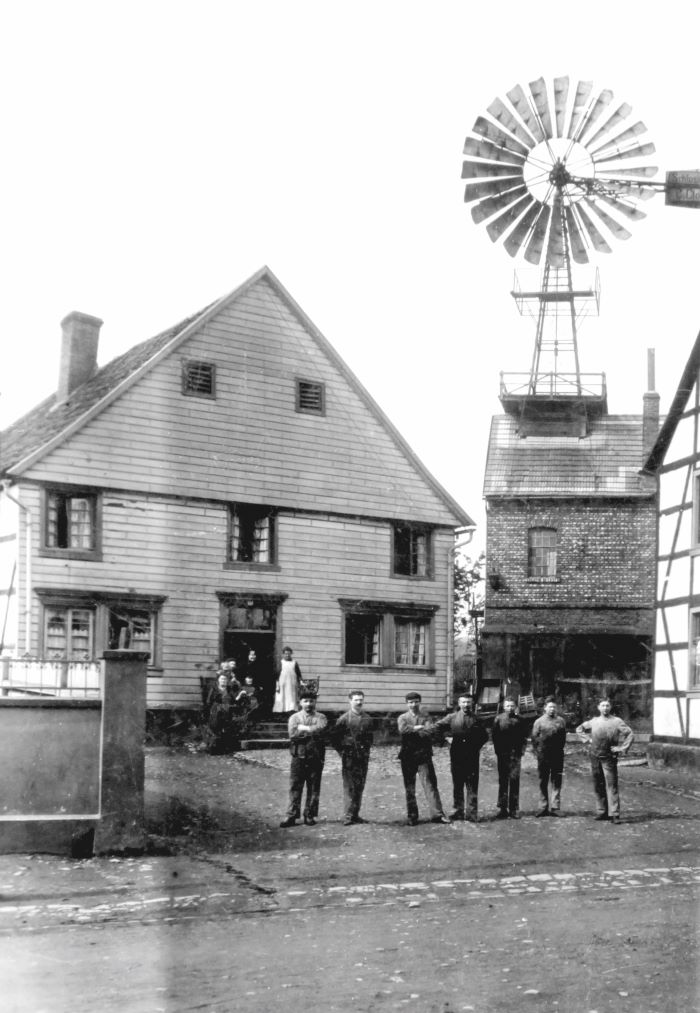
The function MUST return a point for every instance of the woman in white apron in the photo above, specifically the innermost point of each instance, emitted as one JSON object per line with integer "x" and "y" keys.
{"x": 287, "y": 688}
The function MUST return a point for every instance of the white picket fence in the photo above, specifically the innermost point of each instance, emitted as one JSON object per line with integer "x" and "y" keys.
{"x": 32, "y": 677}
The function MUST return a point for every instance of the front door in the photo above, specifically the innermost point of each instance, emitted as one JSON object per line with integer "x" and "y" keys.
{"x": 249, "y": 623}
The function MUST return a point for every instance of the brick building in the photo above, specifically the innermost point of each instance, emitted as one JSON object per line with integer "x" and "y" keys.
{"x": 570, "y": 551}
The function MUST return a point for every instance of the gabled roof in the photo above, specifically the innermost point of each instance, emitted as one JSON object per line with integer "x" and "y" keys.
{"x": 685, "y": 387}
{"x": 604, "y": 463}
{"x": 48, "y": 425}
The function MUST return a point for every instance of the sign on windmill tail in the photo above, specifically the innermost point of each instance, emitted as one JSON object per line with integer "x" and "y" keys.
{"x": 683, "y": 189}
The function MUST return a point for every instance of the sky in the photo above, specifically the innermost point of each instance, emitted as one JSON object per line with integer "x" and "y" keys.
{"x": 156, "y": 154}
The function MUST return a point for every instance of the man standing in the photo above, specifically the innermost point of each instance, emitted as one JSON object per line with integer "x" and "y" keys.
{"x": 548, "y": 741}
{"x": 468, "y": 736}
{"x": 307, "y": 745}
{"x": 509, "y": 736}
{"x": 352, "y": 737}
{"x": 609, "y": 737}
{"x": 416, "y": 755}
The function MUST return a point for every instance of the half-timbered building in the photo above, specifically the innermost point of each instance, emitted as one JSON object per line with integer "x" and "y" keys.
{"x": 225, "y": 486}
{"x": 675, "y": 460}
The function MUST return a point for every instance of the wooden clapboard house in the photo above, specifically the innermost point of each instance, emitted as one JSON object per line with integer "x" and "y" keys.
{"x": 226, "y": 485}
{"x": 675, "y": 460}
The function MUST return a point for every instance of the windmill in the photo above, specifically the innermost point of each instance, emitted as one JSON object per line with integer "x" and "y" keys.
{"x": 557, "y": 174}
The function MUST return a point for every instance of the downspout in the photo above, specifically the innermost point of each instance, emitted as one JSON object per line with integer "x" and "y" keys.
{"x": 28, "y": 568}
{"x": 466, "y": 536}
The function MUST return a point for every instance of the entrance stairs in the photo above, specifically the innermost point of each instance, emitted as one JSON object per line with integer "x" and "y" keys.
{"x": 270, "y": 734}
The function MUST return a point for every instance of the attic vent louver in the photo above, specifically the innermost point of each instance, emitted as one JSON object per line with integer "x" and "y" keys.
{"x": 198, "y": 379}
{"x": 310, "y": 397}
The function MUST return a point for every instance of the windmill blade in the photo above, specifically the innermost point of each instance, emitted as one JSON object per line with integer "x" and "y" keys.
{"x": 630, "y": 134}
{"x": 473, "y": 170}
{"x": 576, "y": 240}
{"x": 502, "y": 114}
{"x": 491, "y": 132}
{"x": 619, "y": 205}
{"x": 515, "y": 239}
{"x": 499, "y": 225}
{"x": 561, "y": 91}
{"x": 583, "y": 90}
{"x": 520, "y": 103}
{"x": 619, "y": 231}
{"x": 647, "y": 171}
{"x": 488, "y": 207}
{"x": 533, "y": 250}
{"x": 599, "y": 242}
{"x": 618, "y": 117}
{"x": 538, "y": 90}
{"x": 641, "y": 150}
{"x": 488, "y": 187}
{"x": 487, "y": 150}
{"x": 556, "y": 250}
{"x": 594, "y": 114}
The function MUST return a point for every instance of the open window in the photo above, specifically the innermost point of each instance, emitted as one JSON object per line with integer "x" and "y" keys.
{"x": 251, "y": 534}
{"x": 412, "y": 549}
{"x": 71, "y": 523}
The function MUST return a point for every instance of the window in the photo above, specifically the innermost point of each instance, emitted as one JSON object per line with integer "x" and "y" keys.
{"x": 71, "y": 523}
{"x": 542, "y": 552}
{"x": 696, "y": 510}
{"x": 362, "y": 639}
{"x": 410, "y": 641}
{"x": 310, "y": 397}
{"x": 131, "y": 630}
{"x": 411, "y": 551}
{"x": 387, "y": 633}
{"x": 252, "y": 531}
{"x": 694, "y": 653}
{"x": 198, "y": 378}
{"x": 80, "y": 625}
{"x": 69, "y": 634}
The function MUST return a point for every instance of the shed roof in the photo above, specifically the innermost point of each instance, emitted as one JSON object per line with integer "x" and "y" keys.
{"x": 606, "y": 462}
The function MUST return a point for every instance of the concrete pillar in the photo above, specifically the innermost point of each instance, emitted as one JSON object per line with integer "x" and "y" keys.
{"x": 122, "y": 825}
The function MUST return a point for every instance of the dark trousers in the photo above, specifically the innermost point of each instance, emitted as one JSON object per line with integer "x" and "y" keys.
{"x": 550, "y": 772}
{"x": 604, "y": 771}
{"x": 424, "y": 769}
{"x": 354, "y": 769}
{"x": 509, "y": 782}
{"x": 307, "y": 772}
{"x": 465, "y": 780}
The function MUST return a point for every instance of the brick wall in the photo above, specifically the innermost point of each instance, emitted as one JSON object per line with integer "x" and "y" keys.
{"x": 605, "y": 556}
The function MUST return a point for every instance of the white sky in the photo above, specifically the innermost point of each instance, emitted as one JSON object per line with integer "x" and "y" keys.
{"x": 155, "y": 154}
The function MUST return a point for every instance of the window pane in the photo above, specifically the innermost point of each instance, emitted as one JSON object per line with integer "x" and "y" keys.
{"x": 542, "y": 552}
{"x": 362, "y": 639}
{"x": 70, "y": 521}
{"x": 410, "y": 551}
{"x": 695, "y": 649}
{"x": 251, "y": 535}
{"x": 131, "y": 630}
{"x": 69, "y": 634}
{"x": 410, "y": 642}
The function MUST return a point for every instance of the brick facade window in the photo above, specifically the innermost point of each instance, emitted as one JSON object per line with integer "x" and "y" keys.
{"x": 542, "y": 552}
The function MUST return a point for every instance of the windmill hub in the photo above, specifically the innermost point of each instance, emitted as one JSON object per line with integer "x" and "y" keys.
{"x": 560, "y": 175}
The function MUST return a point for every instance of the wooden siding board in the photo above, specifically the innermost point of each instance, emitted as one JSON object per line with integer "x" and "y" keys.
{"x": 347, "y": 456}
{"x": 176, "y": 549}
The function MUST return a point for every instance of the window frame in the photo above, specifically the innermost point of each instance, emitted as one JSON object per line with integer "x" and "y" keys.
{"x": 694, "y": 650}
{"x": 388, "y": 614}
{"x": 189, "y": 364}
{"x": 298, "y": 406}
{"x": 251, "y": 509}
{"x": 100, "y": 604}
{"x": 541, "y": 529}
{"x": 695, "y": 534}
{"x": 94, "y": 496}
{"x": 414, "y": 531}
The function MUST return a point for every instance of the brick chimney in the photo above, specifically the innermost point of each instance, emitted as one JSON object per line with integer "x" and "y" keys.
{"x": 650, "y": 409}
{"x": 81, "y": 334}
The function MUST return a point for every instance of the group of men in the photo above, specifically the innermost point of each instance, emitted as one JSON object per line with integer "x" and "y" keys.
{"x": 608, "y": 737}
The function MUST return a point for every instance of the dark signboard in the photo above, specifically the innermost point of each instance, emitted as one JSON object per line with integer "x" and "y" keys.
{"x": 683, "y": 189}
